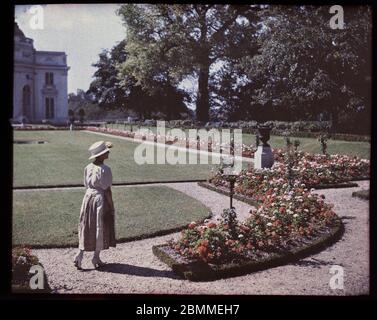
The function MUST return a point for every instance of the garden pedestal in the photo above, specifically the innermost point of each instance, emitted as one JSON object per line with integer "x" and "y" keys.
{"x": 263, "y": 157}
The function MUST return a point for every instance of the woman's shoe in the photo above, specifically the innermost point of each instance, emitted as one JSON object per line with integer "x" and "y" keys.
{"x": 97, "y": 263}
{"x": 77, "y": 261}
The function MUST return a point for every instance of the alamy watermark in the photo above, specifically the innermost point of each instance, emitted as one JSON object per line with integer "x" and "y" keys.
{"x": 215, "y": 144}
{"x": 37, "y": 280}
{"x": 337, "y": 280}
{"x": 337, "y": 20}
{"x": 36, "y": 21}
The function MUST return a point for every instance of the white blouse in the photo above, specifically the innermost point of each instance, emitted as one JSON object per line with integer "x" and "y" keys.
{"x": 97, "y": 177}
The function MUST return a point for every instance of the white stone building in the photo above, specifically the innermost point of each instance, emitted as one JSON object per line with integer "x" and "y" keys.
{"x": 39, "y": 84}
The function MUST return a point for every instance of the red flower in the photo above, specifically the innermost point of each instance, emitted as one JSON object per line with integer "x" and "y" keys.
{"x": 192, "y": 225}
{"x": 282, "y": 210}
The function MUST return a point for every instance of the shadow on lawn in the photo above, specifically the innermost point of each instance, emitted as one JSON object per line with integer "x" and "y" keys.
{"x": 129, "y": 269}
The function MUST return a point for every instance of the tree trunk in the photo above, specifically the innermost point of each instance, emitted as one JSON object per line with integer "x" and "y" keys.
{"x": 202, "y": 102}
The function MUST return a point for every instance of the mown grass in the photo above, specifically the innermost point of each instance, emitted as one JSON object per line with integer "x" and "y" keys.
{"x": 50, "y": 218}
{"x": 62, "y": 160}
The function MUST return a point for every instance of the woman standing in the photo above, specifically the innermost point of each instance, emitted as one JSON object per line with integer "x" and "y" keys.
{"x": 96, "y": 227}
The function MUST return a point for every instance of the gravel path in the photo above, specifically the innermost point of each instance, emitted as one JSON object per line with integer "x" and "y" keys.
{"x": 133, "y": 268}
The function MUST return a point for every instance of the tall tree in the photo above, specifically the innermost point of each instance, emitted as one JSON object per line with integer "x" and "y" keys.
{"x": 167, "y": 43}
{"x": 124, "y": 93}
{"x": 305, "y": 63}
{"x": 106, "y": 84}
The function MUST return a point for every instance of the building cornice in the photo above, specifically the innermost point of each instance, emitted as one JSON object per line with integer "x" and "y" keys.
{"x": 41, "y": 66}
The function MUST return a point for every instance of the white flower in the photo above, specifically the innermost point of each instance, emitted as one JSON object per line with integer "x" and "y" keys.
{"x": 269, "y": 224}
{"x": 295, "y": 215}
{"x": 240, "y": 236}
{"x": 21, "y": 260}
{"x": 306, "y": 210}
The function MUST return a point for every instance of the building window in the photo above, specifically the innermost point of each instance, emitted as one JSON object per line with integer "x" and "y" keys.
{"x": 26, "y": 102}
{"x": 49, "y": 102}
{"x": 49, "y": 78}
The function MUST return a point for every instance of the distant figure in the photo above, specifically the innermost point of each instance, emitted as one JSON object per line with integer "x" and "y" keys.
{"x": 71, "y": 121}
{"x": 23, "y": 122}
{"x": 96, "y": 226}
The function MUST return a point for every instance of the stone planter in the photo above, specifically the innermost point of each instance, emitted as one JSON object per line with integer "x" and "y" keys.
{"x": 263, "y": 157}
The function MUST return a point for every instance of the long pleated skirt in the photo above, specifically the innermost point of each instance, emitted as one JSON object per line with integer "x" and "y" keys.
{"x": 97, "y": 226}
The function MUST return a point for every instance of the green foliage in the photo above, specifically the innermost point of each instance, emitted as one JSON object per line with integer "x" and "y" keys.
{"x": 250, "y": 62}
{"x": 167, "y": 43}
{"x": 126, "y": 93}
{"x": 83, "y": 105}
{"x": 305, "y": 68}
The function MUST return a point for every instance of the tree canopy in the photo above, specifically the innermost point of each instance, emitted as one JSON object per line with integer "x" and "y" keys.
{"x": 253, "y": 62}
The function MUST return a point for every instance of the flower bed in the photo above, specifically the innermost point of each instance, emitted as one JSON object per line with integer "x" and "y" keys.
{"x": 311, "y": 170}
{"x": 285, "y": 227}
{"x": 247, "y": 151}
{"x": 290, "y": 219}
{"x": 22, "y": 261}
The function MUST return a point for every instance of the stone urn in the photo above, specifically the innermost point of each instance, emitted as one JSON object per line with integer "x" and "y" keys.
{"x": 264, "y": 134}
{"x": 264, "y": 157}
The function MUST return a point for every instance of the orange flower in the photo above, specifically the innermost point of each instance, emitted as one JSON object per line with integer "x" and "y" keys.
{"x": 202, "y": 250}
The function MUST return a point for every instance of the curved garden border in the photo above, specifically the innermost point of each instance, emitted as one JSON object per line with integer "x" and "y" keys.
{"x": 196, "y": 270}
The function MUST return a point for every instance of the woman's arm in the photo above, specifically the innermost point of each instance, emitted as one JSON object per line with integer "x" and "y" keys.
{"x": 109, "y": 198}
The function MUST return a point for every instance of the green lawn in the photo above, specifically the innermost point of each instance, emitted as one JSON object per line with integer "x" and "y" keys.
{"x": 62, "y": 161}
{"x": 50, "y": 218}
{"x": 361, "y": 149}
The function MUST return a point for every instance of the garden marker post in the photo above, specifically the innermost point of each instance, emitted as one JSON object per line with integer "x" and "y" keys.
{"x": 230, "y": 176}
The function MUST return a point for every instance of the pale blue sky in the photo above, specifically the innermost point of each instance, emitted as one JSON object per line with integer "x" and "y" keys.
{"x": 81, "y": 30}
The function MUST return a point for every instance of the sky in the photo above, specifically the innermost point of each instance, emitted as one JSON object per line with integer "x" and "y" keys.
{"x": 82, "y": 31}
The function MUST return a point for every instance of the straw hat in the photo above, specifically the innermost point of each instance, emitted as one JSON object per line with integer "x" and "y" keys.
{"x": 98, "y": 148}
